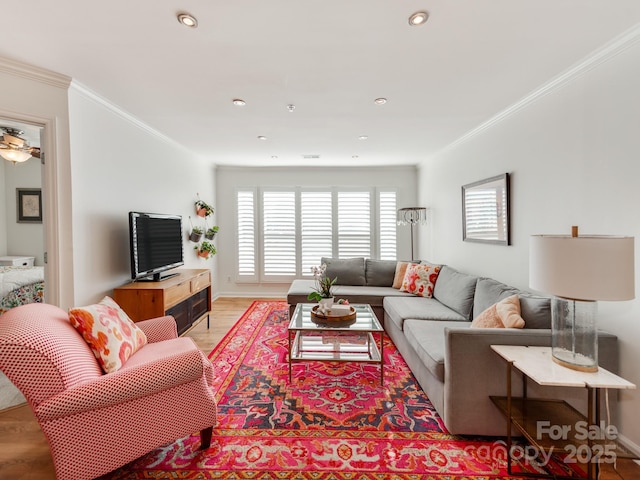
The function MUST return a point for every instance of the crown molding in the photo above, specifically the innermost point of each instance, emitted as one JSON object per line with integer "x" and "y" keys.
{"x": 31, "y": 72}
{"x": 602, "y": 55}
{"x": 115, "y": 109}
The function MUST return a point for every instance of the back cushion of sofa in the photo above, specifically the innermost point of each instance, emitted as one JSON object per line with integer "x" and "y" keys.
{"x": 455, "y": 290}
{"x": 380, "y": 273}
{"x": 535, "y": 310}
{"x": 488, "y": 292}
{"x": 349, "y": 271}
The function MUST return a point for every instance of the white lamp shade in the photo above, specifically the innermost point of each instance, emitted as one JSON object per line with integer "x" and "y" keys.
{"x": 583, "y": 267}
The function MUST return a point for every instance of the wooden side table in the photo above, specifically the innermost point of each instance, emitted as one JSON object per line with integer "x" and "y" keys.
{"x": 551, "y": 425}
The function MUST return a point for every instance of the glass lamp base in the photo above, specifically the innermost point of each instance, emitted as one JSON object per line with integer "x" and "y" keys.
{"x": 574, "y": 334}
{"x": 574, "y": 361}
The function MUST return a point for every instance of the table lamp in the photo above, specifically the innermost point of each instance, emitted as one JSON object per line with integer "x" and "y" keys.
{"x": 578, "y": 271}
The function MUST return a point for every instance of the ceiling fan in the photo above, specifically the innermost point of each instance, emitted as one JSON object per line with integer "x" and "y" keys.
{"x": 15, "y": 148}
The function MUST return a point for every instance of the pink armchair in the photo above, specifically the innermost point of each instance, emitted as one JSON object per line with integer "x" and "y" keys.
{"x": 96, "y": 422}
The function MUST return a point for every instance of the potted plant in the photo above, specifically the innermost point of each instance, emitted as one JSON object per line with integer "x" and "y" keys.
{"x": 211, "y": 232}
{"x": 203, "y": 209}
{"x": 322, "y": 292}
{"x": 196, "y": 234}
{"x": 205, "y": 249}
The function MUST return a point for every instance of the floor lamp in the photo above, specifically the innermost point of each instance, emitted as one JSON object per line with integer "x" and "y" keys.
{"x": 412, "y": 216}
{"x": 579, "y": 271}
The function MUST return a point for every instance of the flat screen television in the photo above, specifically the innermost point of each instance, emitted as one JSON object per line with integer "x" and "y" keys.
{"x": 156, "y": 245}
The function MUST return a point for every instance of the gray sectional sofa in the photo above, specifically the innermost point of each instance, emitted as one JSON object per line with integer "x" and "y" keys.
{"x": 451, "y": 360}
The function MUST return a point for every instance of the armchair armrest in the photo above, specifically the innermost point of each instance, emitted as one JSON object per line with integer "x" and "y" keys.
{"x": 159, "y": 329}
{"x": 126, "y": 384}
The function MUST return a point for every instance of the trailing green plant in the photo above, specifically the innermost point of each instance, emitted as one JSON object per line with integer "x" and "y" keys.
{"x": 213, "y": 230}
{"x": 206, "y": 247}
{"x": 197, "y": 230}
{"x": 202, "y": 205}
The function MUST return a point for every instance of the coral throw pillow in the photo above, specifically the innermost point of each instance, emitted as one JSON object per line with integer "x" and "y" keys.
{"x": 420, "y": 279}
{"x": 109, "y": 331}
{"x": 504, "y": 314}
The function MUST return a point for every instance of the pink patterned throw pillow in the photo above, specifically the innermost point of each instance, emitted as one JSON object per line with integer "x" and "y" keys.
{"x": 111, "y": 334}
{"x": 420, "y": 279}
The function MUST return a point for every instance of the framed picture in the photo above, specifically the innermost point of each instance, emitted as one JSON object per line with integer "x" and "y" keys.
{"x": 485, "y": 211}
{"x": 29, "y": 201}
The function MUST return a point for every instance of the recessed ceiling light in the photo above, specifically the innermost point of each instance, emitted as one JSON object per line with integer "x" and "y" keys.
{"x": 187, "y": 20}
{"x": 380, "y": 101}
{"x": 291, "y": 107}
{"x": 274, "y": 156}
{"x": 239, "y": 102}
{"x": 363, "y": 137}
{"x": 261, "y": 137}
{"x": 355, "y": 156}
{"x": 418, "y": 18}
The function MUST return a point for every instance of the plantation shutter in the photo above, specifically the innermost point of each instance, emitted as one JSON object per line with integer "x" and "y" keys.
{"x": 387, "y": 225}
{"x": 316, "y": 228}
{"x": 354, "y": 224}
{"x": 246, "y": 235}
{"x": 279, "y": 233}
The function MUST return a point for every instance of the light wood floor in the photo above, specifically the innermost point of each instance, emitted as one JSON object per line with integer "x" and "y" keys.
{"x": 24, "y": 452}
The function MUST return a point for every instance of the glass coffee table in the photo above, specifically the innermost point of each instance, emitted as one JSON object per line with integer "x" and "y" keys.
{"x": 327, "y": 341}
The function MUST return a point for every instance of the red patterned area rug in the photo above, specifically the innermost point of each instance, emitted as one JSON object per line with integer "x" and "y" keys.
{"x": 334, "y": 421}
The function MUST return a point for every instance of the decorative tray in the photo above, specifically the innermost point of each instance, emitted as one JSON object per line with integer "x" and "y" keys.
{"x": 333, "y": 318}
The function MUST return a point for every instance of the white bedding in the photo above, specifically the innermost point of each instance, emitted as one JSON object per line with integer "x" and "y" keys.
{"x": 16, "y": 277}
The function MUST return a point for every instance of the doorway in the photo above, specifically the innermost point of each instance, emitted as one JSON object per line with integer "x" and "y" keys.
{"x": 22, "y": 235}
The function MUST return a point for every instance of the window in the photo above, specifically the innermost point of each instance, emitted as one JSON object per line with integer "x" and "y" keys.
{"x": 246, "y": 235}
{"x": 279, "y": 233}
{"x": 288, "y": 232}
{"x": 354, "y": 224}
{"x": 387, "y": 214}
{"x": 316, "y": 228}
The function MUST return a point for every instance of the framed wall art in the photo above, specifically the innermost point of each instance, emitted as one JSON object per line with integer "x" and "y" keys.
{"x": 29, "y": 202}
{"x": 485, "y": 211}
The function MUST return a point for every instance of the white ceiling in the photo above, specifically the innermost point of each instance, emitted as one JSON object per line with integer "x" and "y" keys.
{"x": 330, "y": 58}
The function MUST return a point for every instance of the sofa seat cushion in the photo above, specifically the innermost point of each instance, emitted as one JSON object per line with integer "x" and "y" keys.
{"x": 427, "y": 338}
{"x": 397, "y": 309}
{"x": 300, "y": 288}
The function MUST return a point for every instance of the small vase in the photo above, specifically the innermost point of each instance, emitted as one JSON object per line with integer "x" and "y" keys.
{"x": 326, "y": 302}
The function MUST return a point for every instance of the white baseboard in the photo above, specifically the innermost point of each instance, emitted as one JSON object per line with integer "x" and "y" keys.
{"x": 248, "y": 295}
{"x": 626, "y": 442}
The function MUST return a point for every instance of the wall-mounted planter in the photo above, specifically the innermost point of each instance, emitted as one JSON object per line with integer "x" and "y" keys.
{"x": 195, "y": 236}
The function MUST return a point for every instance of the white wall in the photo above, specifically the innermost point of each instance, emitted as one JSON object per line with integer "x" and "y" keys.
{"x": 229, "y": 178}
{"x": 574, "y": 158}
{"x": 120, "y": 165}
{"x": 24, "y": 239}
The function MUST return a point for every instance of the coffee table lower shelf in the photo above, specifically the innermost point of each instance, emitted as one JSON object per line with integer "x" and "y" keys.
{"x": 327, "y": 346}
